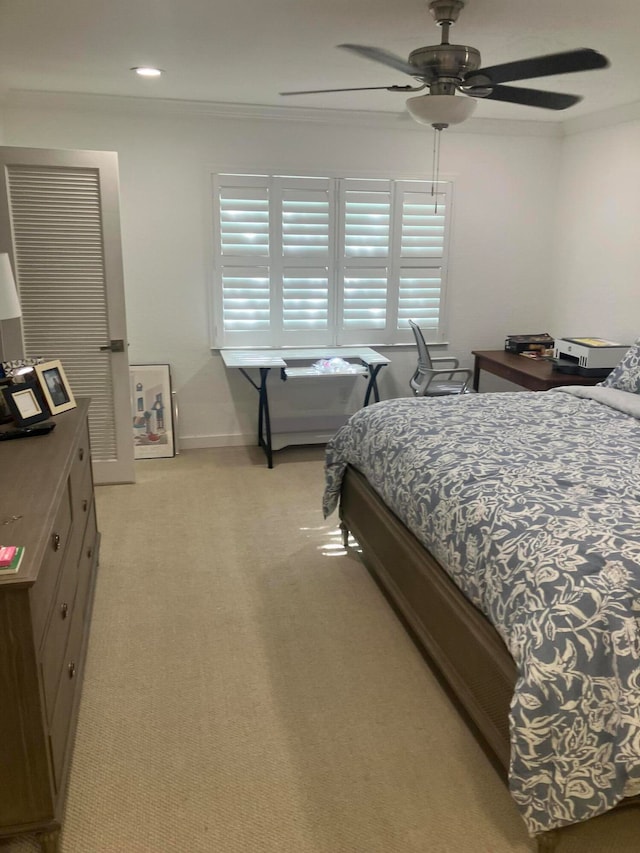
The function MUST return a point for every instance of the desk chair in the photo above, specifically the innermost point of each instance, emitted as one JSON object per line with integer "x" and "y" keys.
{"x": 425, "y": 382}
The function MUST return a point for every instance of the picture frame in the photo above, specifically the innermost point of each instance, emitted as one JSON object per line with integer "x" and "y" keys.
{"x": 55, "y": 386}
{"x": 19, "y": 367}
{"x": 26, "y": 403}
{"x": 152, "y": 411}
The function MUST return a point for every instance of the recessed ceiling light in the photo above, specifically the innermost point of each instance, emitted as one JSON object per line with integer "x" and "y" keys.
{"x": 145, "y": 71}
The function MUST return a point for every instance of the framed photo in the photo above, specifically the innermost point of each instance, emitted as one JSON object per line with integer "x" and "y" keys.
{"x": 152, "y": 411}
{"x": 19, "y": 367}
{"x": 26, "y": 403}
{"x": 55, "y": 387}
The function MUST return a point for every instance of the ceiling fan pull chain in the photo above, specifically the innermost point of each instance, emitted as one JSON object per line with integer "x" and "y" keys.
{"x": 435, "y": 166}
{"x": 434, "y": 160}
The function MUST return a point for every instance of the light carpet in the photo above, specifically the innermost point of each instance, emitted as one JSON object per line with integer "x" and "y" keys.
{"x": 249, "y": 690}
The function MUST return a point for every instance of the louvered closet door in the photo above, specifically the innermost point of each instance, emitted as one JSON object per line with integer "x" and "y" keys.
{"x": 60, "y": 224}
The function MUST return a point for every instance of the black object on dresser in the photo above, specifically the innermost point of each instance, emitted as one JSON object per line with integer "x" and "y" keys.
{"x": 46, "y": 505}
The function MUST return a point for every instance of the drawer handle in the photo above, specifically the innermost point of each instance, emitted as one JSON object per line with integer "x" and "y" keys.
{"x": 71, "y": 669}
{"x": 89, "y": 553}
{"x": 64, "y": 609}
{"x": 55, "y": 541}
{"x": 81, "y": 453}
{"x": 85, "y": 504}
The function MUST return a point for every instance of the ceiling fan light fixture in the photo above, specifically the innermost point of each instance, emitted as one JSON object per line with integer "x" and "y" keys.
{"x": 440, "y": 109}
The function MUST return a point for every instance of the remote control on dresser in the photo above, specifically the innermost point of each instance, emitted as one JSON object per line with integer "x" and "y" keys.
{"x": 26, "y": 432}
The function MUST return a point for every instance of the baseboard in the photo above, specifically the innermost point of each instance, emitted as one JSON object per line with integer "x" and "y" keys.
{"x": 196, "y": 442}
{"x": 278, "y": 440}
{"x": 286, "y": 439}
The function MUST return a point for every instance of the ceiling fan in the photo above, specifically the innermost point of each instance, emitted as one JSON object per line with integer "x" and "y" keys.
{"x": 445, "y": 69}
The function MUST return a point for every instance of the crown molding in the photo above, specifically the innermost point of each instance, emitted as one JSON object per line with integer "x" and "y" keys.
{"x": 83, "y": 102}
{"x": 602, "y": 119}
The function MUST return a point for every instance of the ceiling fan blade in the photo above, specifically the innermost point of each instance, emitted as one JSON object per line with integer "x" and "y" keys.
{"x": 533, "y": 97}
{"x": 357, "y": 89}
{"x": 377, "y": 54}
{"x": 583, "y": 59}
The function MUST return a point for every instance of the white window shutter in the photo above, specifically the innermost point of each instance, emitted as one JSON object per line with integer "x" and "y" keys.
{"x": 419, "y": 297}
{"x": 420, "y": 263}
{"x": 305, "y": 299}
{"x": 307, "y": 235}
{"x": 367, "y": 219}
{"x": 305, "y": 223}
{"x": 312, "y": 261}
{"x": 244, "y": 221}
{"x": 365, "y": 246}
{"x": 423, "y": 221}
{"x": 243, "y": 243}
{"x": 246, "y": 299}
{"x": 364, "y": 304}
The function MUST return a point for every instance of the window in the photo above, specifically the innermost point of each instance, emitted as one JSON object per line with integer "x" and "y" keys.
{"x": 327, "y": 261}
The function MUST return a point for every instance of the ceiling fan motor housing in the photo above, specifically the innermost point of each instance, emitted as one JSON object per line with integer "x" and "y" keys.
{"x": 444, "y": 61}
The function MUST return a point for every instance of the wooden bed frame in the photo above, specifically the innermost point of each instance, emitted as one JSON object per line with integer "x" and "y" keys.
{"x": 464, "y": 649}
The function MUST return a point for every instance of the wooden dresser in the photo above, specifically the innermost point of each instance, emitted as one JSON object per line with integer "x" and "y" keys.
{"x": 47, "y": 505}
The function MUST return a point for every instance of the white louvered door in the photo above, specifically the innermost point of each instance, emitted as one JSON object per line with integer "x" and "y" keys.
{"x": 60, "y": 223}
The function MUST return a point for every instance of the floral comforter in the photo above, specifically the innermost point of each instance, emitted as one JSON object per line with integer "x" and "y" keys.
{"x": 531, "y": 502}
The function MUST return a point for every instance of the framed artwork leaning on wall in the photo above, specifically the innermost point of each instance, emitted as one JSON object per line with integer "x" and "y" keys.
{"x": 152, "y": 411}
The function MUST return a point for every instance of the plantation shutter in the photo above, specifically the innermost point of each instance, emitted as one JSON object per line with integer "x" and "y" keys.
{"x": 244, "y": 249}
{"x": 306, "y": 259}
{"x": 274, "y": 246}
{"x": 59, "y": 257}
{"x": 420, "y": 261}
{"x": 365, "y": 248}
{"x": 315, "y": 261}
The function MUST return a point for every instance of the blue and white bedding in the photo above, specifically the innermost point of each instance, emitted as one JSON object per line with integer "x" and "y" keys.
{"x": 531, "y": 502}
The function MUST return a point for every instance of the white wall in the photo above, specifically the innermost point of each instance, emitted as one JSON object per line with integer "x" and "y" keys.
{"x": 597, "y": 268}
{"x": 505, "y": 188}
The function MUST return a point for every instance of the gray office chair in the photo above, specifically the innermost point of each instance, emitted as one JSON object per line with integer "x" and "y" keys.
{"x": 432, "y": 381}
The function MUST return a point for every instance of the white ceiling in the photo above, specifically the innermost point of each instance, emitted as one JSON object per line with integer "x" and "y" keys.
{"x": 247, "y": 51}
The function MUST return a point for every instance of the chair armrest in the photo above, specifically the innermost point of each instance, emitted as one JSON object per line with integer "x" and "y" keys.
{"x": 450, "y": 371}
{"x": 442, "y": 358}
{"x": 422, "y": 380}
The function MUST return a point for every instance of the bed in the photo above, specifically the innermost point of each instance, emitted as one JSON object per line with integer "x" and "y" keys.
{"x": 505, "y": 530}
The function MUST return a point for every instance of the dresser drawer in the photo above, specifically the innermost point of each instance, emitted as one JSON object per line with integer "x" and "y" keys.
{"x": 43, "y": 590}
{"x": 81, "y": 464}
{"x": 70, "y": 662}
{"x": 69, "y": 681}
{"x": 81, "y": 505}
{"x": 55, "y": 641}
{"x": 87, "y": 560}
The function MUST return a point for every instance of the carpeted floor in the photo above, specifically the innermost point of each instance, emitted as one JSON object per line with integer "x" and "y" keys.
{"x": 249, "y": 690}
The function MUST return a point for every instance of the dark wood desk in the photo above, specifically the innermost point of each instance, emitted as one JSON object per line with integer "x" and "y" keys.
{"x": 526, "y": 372}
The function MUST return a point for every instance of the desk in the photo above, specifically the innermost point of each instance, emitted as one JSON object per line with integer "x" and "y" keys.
{"x": 527, "y": 372}
{"x": 368, "y": 362}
